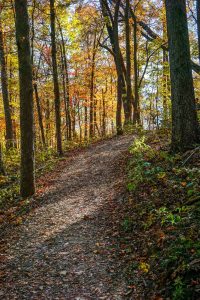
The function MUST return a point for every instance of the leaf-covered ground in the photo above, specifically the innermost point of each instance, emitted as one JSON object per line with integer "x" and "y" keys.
{"x": 68, "y": 246}
{"x": 109, "y": 224}
{"x": 163, "y": 221}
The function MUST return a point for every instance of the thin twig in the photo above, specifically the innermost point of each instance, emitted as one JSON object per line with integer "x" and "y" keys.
{"x": 195, "y": 150}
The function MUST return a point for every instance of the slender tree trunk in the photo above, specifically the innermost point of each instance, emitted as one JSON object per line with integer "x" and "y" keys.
{"x": 103, "y": 113}
{"x": 11, "y": 98}
{"x": 198, "y": 24}
{"x": 2, "y": 170}
{"x": 27, "y": 182}
{"x": 165, "y": 79}
{"x": 95, "y": 115}
{"x": 165, "y": 88}
{"x": 128, "y": 58}
{"x": 112, "y": 28}
{"x": 55, "y": 79}
{"x": 92, "y": 100}
{"x": 112, "y": 105}
{"x": 73, "y": 110}
{"x": 184, "y": 115}
{"x": 39, "y": 114}
{"x": 92, "y": 103}
{"x": 136, "y": 113}
{"x": 79, "y": 121}
{"x": 48, "y": 128}
{"x": 4, "y": 84}
{"x": 121, "y": 79}
{"x": 119, "y": 107}
{"x": 67, "y": 98}
{"x": 85, "y": 121}
{"x": 64, "y": 94}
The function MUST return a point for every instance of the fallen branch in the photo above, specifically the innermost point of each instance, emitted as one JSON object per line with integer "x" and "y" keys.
{"x": 186, "y": 160}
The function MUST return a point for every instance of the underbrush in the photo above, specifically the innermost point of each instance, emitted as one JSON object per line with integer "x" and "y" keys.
{"x": 163, "y": 221}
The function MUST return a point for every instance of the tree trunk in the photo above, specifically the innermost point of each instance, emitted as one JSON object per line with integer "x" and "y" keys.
{"x": 128, "y": 58}
{"x": 92, "y": 100}
{"x": 92, "y": 103}
{"x": 2, "y": 170}
{"x": 86, "y": 121}
{"x": 39, "y": 114}
{"x": 55, "y": 79}
{"x": 67, "y": 99}
{"x": 184, "y": 116}
{"x": 4, "y": 84}
{"x": 27, "y": 182}
{"x": 119, "y": 108}
{"x": 95, "y": 115}
{"x": 121, "y": 79}
{"x": 47, "y": 122}
{"x": 79, "y": 120}
{"x": 136, "y": 113}
{"x": 165, "y": 89}
{"x": 103, "y": 113}
{"x": 112, "y": 28}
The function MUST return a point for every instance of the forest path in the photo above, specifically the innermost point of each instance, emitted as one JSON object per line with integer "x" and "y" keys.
{"x": 68, "y": 248}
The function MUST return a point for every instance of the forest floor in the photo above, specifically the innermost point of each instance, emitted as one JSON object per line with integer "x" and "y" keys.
{"x": 68, "y": 245}
{"x": 118, "y": 220}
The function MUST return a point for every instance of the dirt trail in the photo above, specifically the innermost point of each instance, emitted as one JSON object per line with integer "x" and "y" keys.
{"x": 66, "y": 249}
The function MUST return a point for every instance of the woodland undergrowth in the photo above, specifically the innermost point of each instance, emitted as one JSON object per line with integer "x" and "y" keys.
{"x": 162, "y": 220}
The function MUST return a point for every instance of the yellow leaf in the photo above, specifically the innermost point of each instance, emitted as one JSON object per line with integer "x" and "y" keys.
{"x": 144, "y": 267}
{"x": 161, "y": 175}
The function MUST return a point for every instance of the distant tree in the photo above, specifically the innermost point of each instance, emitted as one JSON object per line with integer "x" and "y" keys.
{"x": 4, "y": 84}
{"x": 55, "y": 78}
{"x": 27, "y": 182}
{"x": 184, "y": 116}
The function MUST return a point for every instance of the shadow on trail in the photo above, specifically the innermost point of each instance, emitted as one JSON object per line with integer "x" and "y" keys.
{"x": 80, "y": 261}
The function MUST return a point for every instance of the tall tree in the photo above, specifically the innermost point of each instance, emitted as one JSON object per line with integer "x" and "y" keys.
{"x": 128, "y": 58}
{"x": 113, "y": 33}
{"x": 55, "y": 78}
{"x": 27, "y": 183}
{"x": 136, "y": 114}
{"x": 65, "y": 84}
{"x": 184, "y": 116}
{"x": 4, "y": 84}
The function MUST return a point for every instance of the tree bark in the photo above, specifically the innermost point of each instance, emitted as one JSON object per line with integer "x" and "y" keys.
{"x": 4, "y": 84}
{"x": 184, "y": 115}
{"x": 55, "y": 79}
{"x": 27, "y": 182}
